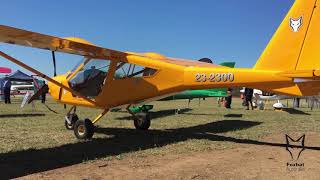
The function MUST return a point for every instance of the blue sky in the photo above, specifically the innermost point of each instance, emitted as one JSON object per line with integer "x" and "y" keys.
{"x": 230, "y": 30}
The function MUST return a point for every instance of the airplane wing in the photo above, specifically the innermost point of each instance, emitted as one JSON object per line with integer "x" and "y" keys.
{"x": 22, "y": 37}
{"x": 189, "y": 63}
{"x": 176, "y": 61}
{"x": 27, "y": 38}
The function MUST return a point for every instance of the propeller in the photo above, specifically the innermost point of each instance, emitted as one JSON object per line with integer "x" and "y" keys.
{"x": 45, "y": 88}
{"x": 38, "y": 93}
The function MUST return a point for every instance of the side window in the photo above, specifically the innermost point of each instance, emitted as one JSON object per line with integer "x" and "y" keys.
{"x": 126, "y": 70}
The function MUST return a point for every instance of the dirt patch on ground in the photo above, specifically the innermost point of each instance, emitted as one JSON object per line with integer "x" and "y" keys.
{"x": 265, "y": 160}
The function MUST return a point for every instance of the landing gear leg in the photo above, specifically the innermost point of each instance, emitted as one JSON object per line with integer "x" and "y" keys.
{"x": 84, "y": 129}
{"x": 71, "y": 118}
{"x": 141, "y": 120}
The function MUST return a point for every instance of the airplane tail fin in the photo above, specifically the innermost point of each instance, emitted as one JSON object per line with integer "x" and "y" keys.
{"x": 296, "y": 43}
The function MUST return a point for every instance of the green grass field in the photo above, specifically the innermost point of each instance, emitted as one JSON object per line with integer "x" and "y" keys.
{"x": 34, "y": 140}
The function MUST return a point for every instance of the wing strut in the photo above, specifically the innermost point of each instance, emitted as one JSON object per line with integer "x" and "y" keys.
{"x": 54, "y": 63}
{"x": 44, "y": 76}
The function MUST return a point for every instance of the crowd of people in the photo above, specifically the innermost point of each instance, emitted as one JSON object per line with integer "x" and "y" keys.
{"x": 246, "y": 96}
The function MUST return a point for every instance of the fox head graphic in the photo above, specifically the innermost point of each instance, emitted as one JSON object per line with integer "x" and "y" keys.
{"x": 295, "y": 24}
{"x": 295, "y": 147}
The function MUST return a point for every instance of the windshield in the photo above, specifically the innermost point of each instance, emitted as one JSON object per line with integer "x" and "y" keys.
{"x": 90, "y": 80}
{"x": 102, "y": 65}
{"x": 77, "y": 65}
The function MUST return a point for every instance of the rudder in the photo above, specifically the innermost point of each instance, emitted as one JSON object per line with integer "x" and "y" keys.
{"x": 310, "y": 54}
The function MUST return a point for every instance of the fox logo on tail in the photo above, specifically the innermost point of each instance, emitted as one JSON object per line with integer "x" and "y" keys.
{"x": 295, "y": 24}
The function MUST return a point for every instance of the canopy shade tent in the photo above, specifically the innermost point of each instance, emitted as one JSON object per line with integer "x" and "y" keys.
{"x": 20, "y": 76}
{"x": 16, "y": 76}
{"x": 5, "y": 70}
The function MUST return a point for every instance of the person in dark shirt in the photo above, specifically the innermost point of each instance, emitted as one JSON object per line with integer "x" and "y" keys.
{"x": 248, "y": 93}
{"x": 6, "y": 90}
{"x": 228, "y": 99}
{"x": 44, "y": 92}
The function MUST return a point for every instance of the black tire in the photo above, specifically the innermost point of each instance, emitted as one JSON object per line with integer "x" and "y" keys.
{"x": 74, "y": 118}
{"x": 142, "y": 121}
{"x": 83, "y": 129}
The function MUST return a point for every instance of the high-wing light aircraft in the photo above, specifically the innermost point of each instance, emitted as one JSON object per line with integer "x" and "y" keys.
{"x": 289, "y": 65}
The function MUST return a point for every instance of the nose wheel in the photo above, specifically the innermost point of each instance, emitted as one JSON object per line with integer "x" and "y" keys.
{"x": 70, "y": 120}
{"x": 83, "y": 129}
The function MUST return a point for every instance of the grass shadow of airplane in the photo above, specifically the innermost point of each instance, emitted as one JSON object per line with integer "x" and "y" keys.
{"x": 234, "y": 115}
{"x": 21, "y": 163}
{"x": 159, "y": 114}
{"x": 295, "y": 111}
{"x": 20, "y": 115}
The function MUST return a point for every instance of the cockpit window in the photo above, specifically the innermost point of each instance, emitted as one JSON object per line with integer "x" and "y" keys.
{"x": 90, "y": 80}
{"x": 126, "y": 70}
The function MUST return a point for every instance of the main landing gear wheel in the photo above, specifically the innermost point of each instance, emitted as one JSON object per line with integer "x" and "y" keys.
{"x": 83, "y": 129}
{"x": 70, "y": 120}
{"x": 141, "y": 121}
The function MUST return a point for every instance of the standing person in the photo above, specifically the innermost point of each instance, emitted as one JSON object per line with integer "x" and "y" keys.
{"x": 7, "y": 89}
{"x": 228, "y": 99}
{"x": 44, "y": 92}
{"x": 296, "y": 102}
{"x": 220, "y": 100}
{"x": 248, "y": 93}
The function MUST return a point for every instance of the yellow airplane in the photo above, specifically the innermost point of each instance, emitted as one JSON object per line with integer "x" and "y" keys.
{"x": 108, "y": 78}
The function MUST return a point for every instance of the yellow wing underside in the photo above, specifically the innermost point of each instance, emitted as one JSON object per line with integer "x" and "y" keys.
{"x": 36, "y": 40}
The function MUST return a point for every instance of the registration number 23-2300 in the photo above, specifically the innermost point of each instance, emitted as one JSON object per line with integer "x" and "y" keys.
{"x": 214, "y": 77}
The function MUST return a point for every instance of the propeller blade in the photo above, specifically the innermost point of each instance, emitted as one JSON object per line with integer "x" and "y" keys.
{"x": 54, "y": 64}
{"x": 38, "y": 93}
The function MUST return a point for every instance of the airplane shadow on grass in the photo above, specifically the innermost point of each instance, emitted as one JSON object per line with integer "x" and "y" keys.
{"x": 20, "y": 115}
{"x": 295, "y": 111}
{"x": 170, "y": 112}
{"x": 17, "y": 164}
{"x": 159, "y": 114}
